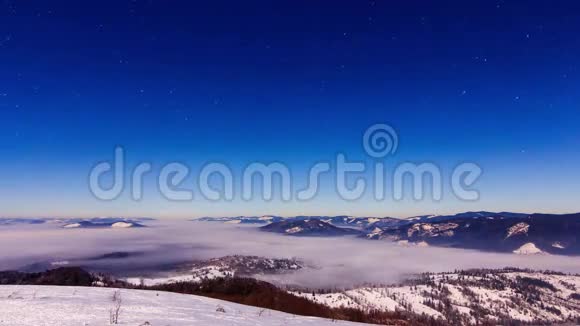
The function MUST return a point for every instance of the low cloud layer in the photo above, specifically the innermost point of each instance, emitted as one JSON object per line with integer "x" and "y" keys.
{"x": 337, "y": 262}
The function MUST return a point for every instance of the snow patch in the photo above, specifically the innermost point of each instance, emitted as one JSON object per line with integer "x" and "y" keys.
{"x": 121, "y": 225}
{"x": 403, "y": 243}
{"x": 293, "y": 230}
{"x": 528, "y": 249}
{"x": 422, "y": 244}
{"x": 558, "y": 245}
{"x": 520, "y": 228}
{"x": 432, "y": 230}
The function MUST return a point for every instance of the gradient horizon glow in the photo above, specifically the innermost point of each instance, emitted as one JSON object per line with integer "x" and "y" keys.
{"x": 492, "y": 82}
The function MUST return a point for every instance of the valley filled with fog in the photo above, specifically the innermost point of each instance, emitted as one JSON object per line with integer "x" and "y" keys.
{"x": 162, "y": 245}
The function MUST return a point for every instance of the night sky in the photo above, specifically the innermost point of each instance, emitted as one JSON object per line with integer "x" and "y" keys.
{"x": 491, "y": 82}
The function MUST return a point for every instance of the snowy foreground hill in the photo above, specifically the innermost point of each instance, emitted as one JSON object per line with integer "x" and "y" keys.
{"x": 64, "y": 305}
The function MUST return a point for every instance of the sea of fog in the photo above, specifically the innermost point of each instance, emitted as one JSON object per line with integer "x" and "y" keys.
{"x": 338, "y": 262}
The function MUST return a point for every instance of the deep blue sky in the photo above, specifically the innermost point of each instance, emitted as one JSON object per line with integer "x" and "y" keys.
{"x": 492, "y": 82}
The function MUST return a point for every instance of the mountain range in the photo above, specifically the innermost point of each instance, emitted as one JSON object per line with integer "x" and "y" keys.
{"x": 534, "y": 233}
{"x": 519, "y": 233}
{"x": 73, "y": 223}
{"x": 311, "y": 227}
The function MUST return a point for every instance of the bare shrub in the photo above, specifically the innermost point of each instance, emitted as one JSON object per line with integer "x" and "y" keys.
{"x": 116, "y": 309}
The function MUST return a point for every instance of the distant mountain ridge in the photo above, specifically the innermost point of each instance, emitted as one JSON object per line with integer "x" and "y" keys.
{"x": 339, "y": 220}
{"x": 308, "y": 228}
{"x": 478, "y": 214}
{"x": 501, "y": 232}
{"x": 115, "y": 224}
{"x": 69, "y": 223}
{"x": 359, "y": 221}
{"x": 57, "y": 220}
{"x": 509, "y": 232}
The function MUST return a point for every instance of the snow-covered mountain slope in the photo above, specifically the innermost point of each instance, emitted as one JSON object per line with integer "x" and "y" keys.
{"x": 471, "y": 296}
{"x": 501, "y": 232}
{"x": 63, "y": 306}
{"x": 205, "y": 273}
{"x": 390, "y": 299}
{"x": 228, "y": 266}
